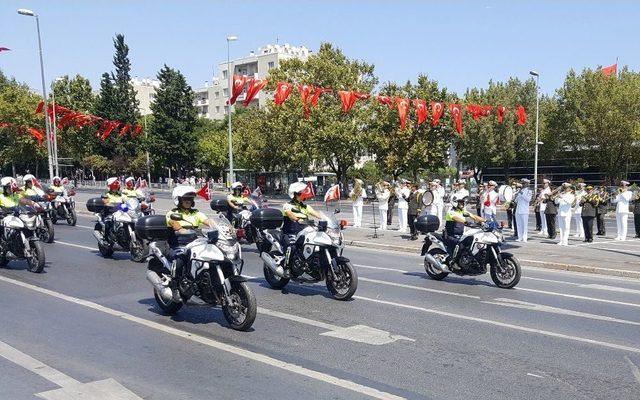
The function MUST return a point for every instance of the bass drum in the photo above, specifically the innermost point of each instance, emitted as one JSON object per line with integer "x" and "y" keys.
{"x": 506, "y": 193}
{"x": 427, "y": 198}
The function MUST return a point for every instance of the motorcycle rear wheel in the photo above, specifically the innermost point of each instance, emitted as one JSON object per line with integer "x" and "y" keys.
{"x": 35, "y": 263}
{"x": 274, "y": 280}
{"x": 346, "y": 287}
{"x": 433, "y": 272}
{"x": 242, "y": 308}
{"x": 168, "y": 307}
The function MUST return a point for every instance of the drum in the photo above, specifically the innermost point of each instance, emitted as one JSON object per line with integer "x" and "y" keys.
{"x": 427, "y": 198}
{"x": 506, "y": 193}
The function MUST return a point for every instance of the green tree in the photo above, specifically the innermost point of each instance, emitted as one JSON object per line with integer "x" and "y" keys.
{"x": 172, "y": 140}
{"x": 212, "y": 146}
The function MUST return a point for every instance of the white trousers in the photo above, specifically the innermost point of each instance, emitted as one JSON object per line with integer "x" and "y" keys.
{"x": 383, "y": 219}
{"x": 577, "y": 219}
{"x": 402, "y": 219}
{"x": 564, "y": 224}
{"x": 621, "y": 223}
{"x": 439, "y": 212}
{"x": 544, "y": 223}
{"x": 523, "y": 224}
{"x": 357, "y": 215}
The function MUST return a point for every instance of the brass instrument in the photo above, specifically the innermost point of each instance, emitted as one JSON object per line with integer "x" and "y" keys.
{"x": 593, "y": 199}
{"x": 554, "y": 194}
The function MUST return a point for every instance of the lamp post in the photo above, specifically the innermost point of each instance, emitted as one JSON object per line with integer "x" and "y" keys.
{"x": 230, "y": 80}
{"x": 535, "y": 162}
{"x": 29, "y": 13}
{"x": 54, "y": 142}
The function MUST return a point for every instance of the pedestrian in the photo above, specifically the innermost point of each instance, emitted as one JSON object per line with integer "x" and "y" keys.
{"x": 357, "y": 195}
{"x": 403, "y": 206}
{"x": 550, "y": 213}
{"x": 577, "y": 210}
{"x": 523, "y": 198}
{"x": 415, "y": 207}
{"x": 588, "y": 202}
{"x": 622, "y": 201}
{"x": 490, "y": 202}
{"x": 391, "y": 203}
{"x": 382, "y": 194}
{"x": 542, "y": 205}
{"x": 565, "y": 203}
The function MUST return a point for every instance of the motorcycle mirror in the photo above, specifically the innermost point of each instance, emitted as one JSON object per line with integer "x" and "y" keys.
{"x": 175, "y": 217}
{"x": 336, "y": 211}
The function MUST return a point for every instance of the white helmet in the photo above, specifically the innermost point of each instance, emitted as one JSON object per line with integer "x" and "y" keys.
{"x": 296, "y": 187}
{"x": 458, "y": 199}
{"x": 54, "y": 179}
{"x": 7, "y": 181}
{"x": 29, "y": 177}
{"x": 182, "y": 191}
{"x": 236, "y": 185}
{"x": 130, "y": 179}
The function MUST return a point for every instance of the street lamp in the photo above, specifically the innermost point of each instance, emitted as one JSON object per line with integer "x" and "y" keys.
{"x": 535, "y": 162}
{"x": 230, "y": 80}
{"x": 29, "y": 13}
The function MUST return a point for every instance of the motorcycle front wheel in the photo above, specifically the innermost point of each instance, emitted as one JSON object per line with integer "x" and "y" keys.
{"x": 105, "y": 249}
{"x": 72, "y": 218}
{"x": 47, "y": 233}
{"x": 346, "y": 283}
{"x": 35, "y": 263}
{"x": 506, "y": 276}
{"x": 241, "y": 308}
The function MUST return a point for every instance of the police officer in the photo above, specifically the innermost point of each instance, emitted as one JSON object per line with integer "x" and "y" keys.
{"x": 455, "y": 221}
{"x": 130, "y": 190}
{"x": 29, "y": 189}
{"x": 9, "y": 198}
{"x": 57, "y": 186}
{"x": 235, "y": 200}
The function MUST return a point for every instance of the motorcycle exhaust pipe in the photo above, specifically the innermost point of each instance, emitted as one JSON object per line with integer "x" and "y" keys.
{"x": 165, "y": 292}
{"x": 431, "y": 260}
{"x": 272, "y": 264}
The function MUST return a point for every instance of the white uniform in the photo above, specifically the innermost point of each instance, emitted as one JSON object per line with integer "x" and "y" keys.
{"x": 543, "y": 206}
{"x": 403, "y": 208}
{"x": 622, "y": 201}
{"x": 577, "y": 214}
{"x": 564, "y": 202}
{"x": 490, "y": 204}
{"x": 357, "y": 208}
{"x": 383, "y": 206}
{"x": 522, "y": 213}
{"x": 437, "y": 207}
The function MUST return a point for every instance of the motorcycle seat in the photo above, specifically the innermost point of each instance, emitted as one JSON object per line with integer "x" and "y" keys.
{"x": 275, "y": 233}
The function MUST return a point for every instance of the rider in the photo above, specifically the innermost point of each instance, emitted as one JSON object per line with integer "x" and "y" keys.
{"x": 235, "y": 200}
{"x": 9, "y": 198}
{"x": 112, "y": 198}
{"x": 57, "y": 185}
{"x": 296, "y": 211}
{"x": 456, "y": 219}
{"x": 29, "y": 189}
{"x": 130, "y": 191}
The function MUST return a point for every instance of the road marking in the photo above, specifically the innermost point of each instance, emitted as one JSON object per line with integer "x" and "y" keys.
{"x": 584, "y": 275}
{"x": 555, "y": 310}
{"x": 420, "y": 288}
{"x": 589, "y": 285}
{"x": 505, "y": 325}
{"x": 534, "y": 375}
{"x": 70, "y": 388}
{"x": 76, "y": 245}
{"x": 634, "y": 369}
{"x": 380, "y": 268}
{"x": 251, "y": 355}
{"x": 574, "y": 296}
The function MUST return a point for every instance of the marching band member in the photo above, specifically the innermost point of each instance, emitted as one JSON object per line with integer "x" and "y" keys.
{"x": 589, "y": 203}
{"x": 522, "y": 210}
{"x": 565, "y": 202}
{"x": 577, "y": 210}
{"x": 357, "y": 195}
{"x": 403, "y": 194}
{"x": 490, "y": 202}
{"x": 462, "y": 192}
{"x": 601, "y": 212}
{"x": 550, "y": 213}
{"x": 622, "y": 209}
{"x": 636, "y": 214}
{"x": 438, "y": 200}
{"x": 382, "y": 194}
{"x": 479, "y": 206}
{"x": 546, "y": 190}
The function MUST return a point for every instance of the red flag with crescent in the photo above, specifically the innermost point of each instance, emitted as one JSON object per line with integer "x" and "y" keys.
{"x": 385, "y": 100}
{"x": 522, "y": 115}
{"x": 421, "y": 110}
{"x": 255, "y": 86}
{"x": 403, "y": 111}
{"x": 283, "y": 90}
{"x": 456, "y": 115}
{"x": 502, "y": 110}
{"x": 238, "y": 87}
{"x": 437, "y": 109}
{"x": 610, "y": 70}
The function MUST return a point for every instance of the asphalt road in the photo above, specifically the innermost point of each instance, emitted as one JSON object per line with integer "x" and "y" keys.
{"x": 558, "y": 335}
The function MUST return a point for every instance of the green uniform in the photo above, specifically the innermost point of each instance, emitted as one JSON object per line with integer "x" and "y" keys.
{"x": 300, "y": 211}
{"x": 133, "y": 193}
{"x": 237, "y": 200}
{"x": 9, "y": 201}
{"x": 32, "y": 191}
{"x": 192, "y": 218}
{"x": 453, "y": 227}
{"x": 114, "y": 198}
{"x": 57, "y": 189}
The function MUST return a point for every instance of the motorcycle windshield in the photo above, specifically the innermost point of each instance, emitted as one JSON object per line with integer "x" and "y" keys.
{"x": 332, "y": 220}
{"x": 226, "y": 232}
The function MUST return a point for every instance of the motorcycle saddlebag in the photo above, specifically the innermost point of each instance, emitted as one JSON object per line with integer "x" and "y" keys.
{"x": 152, "y": 227}
{"x": 267, "y": 218}
{"x": 426, "y": 223}
{"x": 95, "y": 205}
{"x": 219, "y": 205}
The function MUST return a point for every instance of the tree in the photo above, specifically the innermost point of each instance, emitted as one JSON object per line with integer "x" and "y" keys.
{"x": 172, "y": 140}
{"x": 212, "y": 146}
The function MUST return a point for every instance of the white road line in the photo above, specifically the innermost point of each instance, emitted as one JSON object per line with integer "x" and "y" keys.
{"x": 574, "y": 296}
{"x": 505, "y": 325}
{"x": 420, "y": 288}
{"x": 588, "y": 285}
{"x": 76, "y": 245}
{"x": 296, "y": 318}
{"x": 31, "y": 364}
{"x": 380, "y": 268}
{"x": 251, "y": 355}
{"x": 584, "y": 275}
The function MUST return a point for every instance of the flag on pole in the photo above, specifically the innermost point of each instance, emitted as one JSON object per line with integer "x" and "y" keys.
{"x": 204, "y": 192}
{"x": 308, "y": 192}
{"x": 333, "y": 193}
{"x": 610, "y": 70}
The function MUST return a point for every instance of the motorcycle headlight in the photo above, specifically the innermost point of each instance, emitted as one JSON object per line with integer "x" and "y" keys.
{"x": 334, "y": 234}
{"x": 230, "y": 250}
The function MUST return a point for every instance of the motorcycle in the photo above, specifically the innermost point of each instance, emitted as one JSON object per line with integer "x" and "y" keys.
{"x": 115, "y": 227}
{"x": 44, "y": 226}
{"x": 315, "y": 251}
{"x": 146, "y": 204}
{"x": 63, "y": 207}
{"x": 19, "y": 239}
{"x": 477, "y": 249}
{"x": 247, "y": 233}
{"x": 211, "y": 272}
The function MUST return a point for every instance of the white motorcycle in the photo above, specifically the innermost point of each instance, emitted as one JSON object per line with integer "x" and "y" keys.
{"x": 117, "y": 229}
{"x": 19, "y": 239}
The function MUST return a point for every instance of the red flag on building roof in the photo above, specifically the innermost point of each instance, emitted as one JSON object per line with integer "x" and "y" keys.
{"x": 255, "y": 86}
{"x": 283, "y": 90}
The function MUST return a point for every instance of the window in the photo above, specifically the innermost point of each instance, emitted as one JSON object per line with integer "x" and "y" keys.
{"x": 205, "y": 109}
{"x": 217, "y": 109}
{"x": 152, "y": 96}
{"x": 226, "y": 109}
{"x": 272, "y": 64}
{"x": 217, "y": 95}
{"x": 224, "y": 74}
{"x": 225, "y": 92}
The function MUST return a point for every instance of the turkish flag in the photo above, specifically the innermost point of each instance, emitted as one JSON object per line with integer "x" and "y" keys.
{"x": 255, "y": 86}
{"x": 308, "y": 192}
{"x": 238, "y": 87}
{"x": 305, "y": 95}
{"x": 456, "y": 115}
{"x": 502, "y": 110}
{"x": 522, "y": 116}
{"x": 475, "y": 110}
{"x": 421, "y": 110}
{"x": 610, "y": 70}
{"x": 283, "y": 90}
{"x": 37, "y": 134}
{"x": 136, "y": 131}
{"x": 403, "y": 111}
{"x": 111, "y": 125}
{"x": 486, "y": 110}
{"x": 437, "y": 109}
{"x": 317, "y": 93}
{"x": 37, "y": 183}
{"x": 349, "y": 98}
{"x": 333, "y": 193}
{"x": 204, "y": 192}
{"x": 385, "y": 100}
{"x": 40, "y": 107}
{"x": 125, "y": 129}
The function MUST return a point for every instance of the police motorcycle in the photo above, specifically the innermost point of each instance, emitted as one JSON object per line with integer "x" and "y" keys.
{"x": 44, "y": 225}
{"x": 245, "y": 230}
{"x": 19, "y": 239}
{"x": 312, "y": 255}
{"x": 475, "y": 251}
{"x": 115, "y": 227}
{"x": 63, "y": 207}
{"x": 212, "y": 272}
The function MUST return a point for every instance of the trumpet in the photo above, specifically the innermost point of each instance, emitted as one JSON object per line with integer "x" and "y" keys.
{"x": 553, "y": 195}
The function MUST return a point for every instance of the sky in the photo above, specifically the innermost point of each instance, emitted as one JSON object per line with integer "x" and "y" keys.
{"x": 460, "y": 43}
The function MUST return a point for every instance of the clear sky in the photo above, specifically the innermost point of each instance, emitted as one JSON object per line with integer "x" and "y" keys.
{"x": 459, "y": 43}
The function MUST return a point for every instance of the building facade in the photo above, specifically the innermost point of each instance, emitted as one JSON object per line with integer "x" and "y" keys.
{"x": 145, "y": 93}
